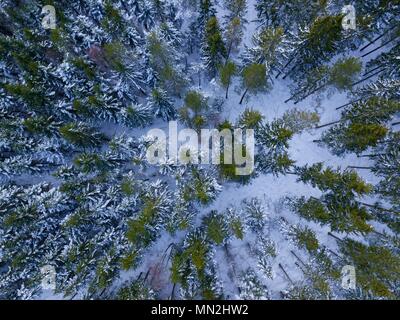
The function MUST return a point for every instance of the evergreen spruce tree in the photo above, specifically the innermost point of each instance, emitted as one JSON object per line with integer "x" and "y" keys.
{"x": 361, "y": 126}
{"x": 251, "y": 287}
{"x": 136, "y": 290}
{"x": 216, "y": 228}
{"x": 213, "y": 48}
{"x": 272, "y": 144}
{"x": 254, "y": 79}
{"x": 255, "y": 214}
{"x": 226, "y": 72}
{"x": 233, "y": 35}
{"x": 338, "y": 206}
{"x": 162, "y": 106}
{"x": 377, "y": 268}
{"x": 163, "y": 61}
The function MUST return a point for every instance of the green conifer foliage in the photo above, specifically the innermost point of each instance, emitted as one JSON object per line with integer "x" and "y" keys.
{"x": 378, "y": 269}
{"x": 213, "y": 49}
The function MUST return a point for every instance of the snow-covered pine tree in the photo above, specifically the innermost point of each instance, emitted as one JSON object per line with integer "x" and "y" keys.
{"x": 386, "y": 166}
{"x": 161, "y": 104}
{"x": 255, "y": 214}
{"x": 378, "y": 267}
{"x": 195, "y": 35}
{"x": 339, "y": 206}
{"x": 272, "y": 144}
{"x": 268, "y": 47}
{"x": 227, "y": 72}
{"x": 193, "y": 112}
{"x": 317, "y": 44}
{"x": 193, "y": 268}
{"x": 297, "y": 121}
{"x": 341, "y": 76}
{"x": 164, "y": 67}
{"x": 233, "y": 35}
{"x": 291, "y": 14}
{"x": 216, "y": 227}
{"x": 236, "y": 9}
{"x": 252, "y": 288}
{"x": 136, "y": 290}
{"x": 386, "y": 64}
{"x": 361, "y": 126}
{"x": 254, "y": 79}
{"x": 213, "y": 47}
{"x": 305, "y": 238}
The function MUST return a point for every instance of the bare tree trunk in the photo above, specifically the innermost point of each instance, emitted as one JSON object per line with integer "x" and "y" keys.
{"x": 298, "y": 258}
{"x": 312, "y": 92}
{"x": 287, "y": 276}
{"x": 334, "y": 253}
{"x": 227, "y": 88}
{"x": 370, "y": 155}
{"x": 372, "y": 70}
{"x": 287, "y": 63}
{"x": 199, "y": 79}
{"x": 359, "y": 167}
{"x": 364, "y": 79}
{"x": 328, "y": 124}
{"x": 289, "y": 72}
{"x": 381, "y": 46}
{"x": 377, "y": 38}
{"x": 335, "y": 237}
{"x": 241, "y": 100}
{"x": 231, "y": 264}
{"x": 349, "y": 103}
{"x": 228, "y": 52}
{"x": 173, "y": 292}
{"x": 378, "y": 208}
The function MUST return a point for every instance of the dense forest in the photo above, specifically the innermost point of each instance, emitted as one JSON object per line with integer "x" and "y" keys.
{"x": 81, "y": 86}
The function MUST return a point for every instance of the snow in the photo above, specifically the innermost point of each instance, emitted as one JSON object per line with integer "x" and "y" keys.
{"x": 268, "y": 188}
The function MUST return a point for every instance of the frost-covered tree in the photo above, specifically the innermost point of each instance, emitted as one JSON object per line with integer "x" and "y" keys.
{"x": 341, "y": 76}
{"x": 386, "y": 166}
{"x": 161, "y": 104}
{"x": 377, "y": 267}
{"x": 194, "y": 110}
{"x": 254, "y": 79}
{"x": 339, "y": 206}
{"x": 268, "y": 47}
{"x": 361, "y": 126}
{"x": 193, "y": 268}
{"x": 216, "y": 227}
{"x": 213, "y": 47}
{"x": 317, "y": 44}
{"x": 289, "y": 14}
{"x": 272, "y": 144}
{"x": 226, "y": 72}
{"x": 233, "y": 35}
{"x": 255, "y": 214}
{"x": 136, "y": 290}
{"x": 163, "y": 60}
{"x": 297, "y": 121}
{"x": 252, "y": 288}
{"x": 236, "y": 9}
{"x": 305, "y": 238}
